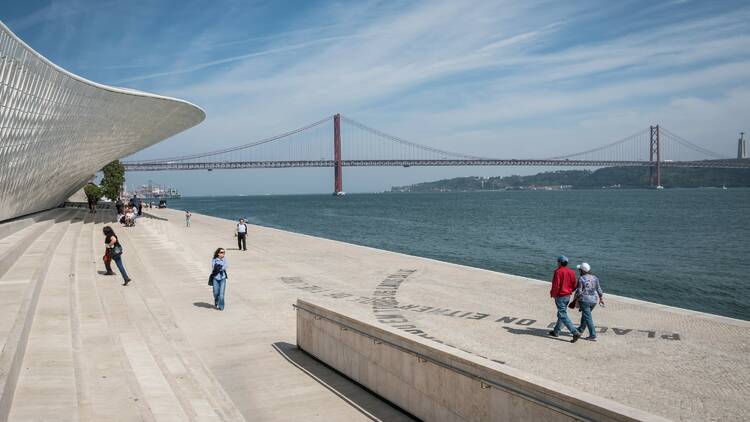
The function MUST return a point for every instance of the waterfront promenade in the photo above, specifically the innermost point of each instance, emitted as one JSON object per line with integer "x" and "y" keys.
{"x": 86, "y": 348}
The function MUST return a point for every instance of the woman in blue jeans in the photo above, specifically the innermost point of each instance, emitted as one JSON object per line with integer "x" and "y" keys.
{"x": 589, "y": 293}
{"x": 219, "y": 277}
{"x": 114, "y": 250}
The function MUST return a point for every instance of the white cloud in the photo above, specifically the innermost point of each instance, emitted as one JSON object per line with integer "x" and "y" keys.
{"x": 482, "y": 78}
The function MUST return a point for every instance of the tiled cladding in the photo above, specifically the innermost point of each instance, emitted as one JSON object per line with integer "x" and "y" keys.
{"x": 58, "y": 129}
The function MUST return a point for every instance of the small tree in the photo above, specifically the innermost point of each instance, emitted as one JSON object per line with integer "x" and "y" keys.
{"x": 114, "y": 177}
{"x": 93, "y": 193}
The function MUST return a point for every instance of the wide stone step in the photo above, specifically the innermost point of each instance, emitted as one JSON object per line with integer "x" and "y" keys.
{"x": 246, "y": 347}
{"x": 9, "y": 227}
{"x": 106, "y": 387}
{"x": 23, "y": 285}
{"x": 17, "y": 236}
{"x": 160, "y": 367}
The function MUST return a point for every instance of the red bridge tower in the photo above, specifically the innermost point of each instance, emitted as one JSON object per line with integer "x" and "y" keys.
{"x": 338, "y": 186}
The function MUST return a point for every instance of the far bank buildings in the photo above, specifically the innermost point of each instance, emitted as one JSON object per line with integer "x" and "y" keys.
{"x": 58, "y": 129}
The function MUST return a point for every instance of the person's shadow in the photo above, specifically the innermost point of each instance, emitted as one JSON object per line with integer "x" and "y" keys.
{"x": 539, "y": 332}
{"x": 203, "y": 305}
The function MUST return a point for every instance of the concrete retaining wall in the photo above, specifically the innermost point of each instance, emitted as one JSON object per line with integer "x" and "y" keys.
{"x": 438, "y": 383}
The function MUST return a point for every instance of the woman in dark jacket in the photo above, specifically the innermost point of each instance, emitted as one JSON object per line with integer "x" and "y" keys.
{"x": 114, "y": 249}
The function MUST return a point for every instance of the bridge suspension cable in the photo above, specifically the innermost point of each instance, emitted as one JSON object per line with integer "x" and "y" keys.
{"x": 638, "y": 136}
{"x": 240, "y": 147}
{"x": 684, "y": 142}
{"x": 360, "y": 145}
{"x": 404, "y": 142}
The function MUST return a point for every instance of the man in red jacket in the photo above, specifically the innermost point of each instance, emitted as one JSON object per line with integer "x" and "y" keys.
{"x": 563, "y": 284}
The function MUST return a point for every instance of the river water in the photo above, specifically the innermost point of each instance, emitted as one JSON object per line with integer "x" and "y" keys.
{"x": 681, "y": 247}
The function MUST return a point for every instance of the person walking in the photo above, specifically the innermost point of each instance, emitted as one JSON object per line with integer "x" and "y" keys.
{"x": 563, "y": 284}
{"x": 187, "y": 218}
{"x": 115, "y": 252}
{"x": 589, "y": 293}
{"x": 119, "y": 205}
{"x": 219, "y": 277}
{"x": 241, "y": 234}
{"x": 136, "y": 202}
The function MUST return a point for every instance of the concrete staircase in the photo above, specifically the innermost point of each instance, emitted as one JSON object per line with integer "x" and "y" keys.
{"x": 26, "y": 244}
{"x": 77, "y": 345}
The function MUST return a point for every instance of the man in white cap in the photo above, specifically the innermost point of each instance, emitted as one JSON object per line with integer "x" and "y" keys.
{"x": 563, "y": 283}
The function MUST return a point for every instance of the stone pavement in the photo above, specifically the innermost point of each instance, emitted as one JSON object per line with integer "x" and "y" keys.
{"x": 156, "y": 350}
{"x": 77, "y": 345}
{"x": 672, "y": 362}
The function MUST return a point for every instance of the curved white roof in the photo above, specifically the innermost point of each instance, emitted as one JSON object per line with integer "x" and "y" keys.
{"x": 58, "y": 129}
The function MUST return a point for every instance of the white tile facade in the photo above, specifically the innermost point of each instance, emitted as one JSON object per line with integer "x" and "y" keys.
{"x": 58, "y": 129}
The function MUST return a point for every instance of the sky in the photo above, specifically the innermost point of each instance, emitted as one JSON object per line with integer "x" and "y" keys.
{"x": 485, "y": 78}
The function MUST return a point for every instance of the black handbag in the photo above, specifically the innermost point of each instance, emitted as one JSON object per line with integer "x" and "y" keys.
{"x": 573, "y": 303}
{"x": 117, "y": 250}
{"x": 211, "y": 280}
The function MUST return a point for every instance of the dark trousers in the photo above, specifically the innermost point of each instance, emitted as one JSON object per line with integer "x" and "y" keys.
{"x": 241, "y": 242}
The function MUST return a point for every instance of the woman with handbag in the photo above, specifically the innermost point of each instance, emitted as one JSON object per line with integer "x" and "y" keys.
{"x": 114, "y": 250}
{"x": 589, "y": 293}
{"x": 218, "y": 278}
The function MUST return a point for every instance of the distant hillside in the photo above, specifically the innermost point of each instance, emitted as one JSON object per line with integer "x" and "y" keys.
{"x": 625, "y": 177}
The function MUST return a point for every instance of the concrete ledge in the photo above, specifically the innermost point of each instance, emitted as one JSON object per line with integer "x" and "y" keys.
{"x": 436, "y": 382}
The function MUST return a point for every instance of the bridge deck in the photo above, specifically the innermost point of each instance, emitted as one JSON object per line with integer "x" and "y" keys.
{"x": 228, "y": 165}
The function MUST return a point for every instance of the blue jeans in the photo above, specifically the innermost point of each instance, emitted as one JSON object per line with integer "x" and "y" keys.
{"x": 562, "y": 315}
{"x": 586, "y": 320}
{"x": 220, "y": 286}
{"x": 118, "y": 261}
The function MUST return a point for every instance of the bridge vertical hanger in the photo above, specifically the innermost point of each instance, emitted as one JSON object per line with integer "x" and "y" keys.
{"x": 655, "y": 151}
{"x": 338, "y": 182}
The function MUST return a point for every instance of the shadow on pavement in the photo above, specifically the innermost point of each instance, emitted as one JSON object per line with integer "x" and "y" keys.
{"x": 359, "y": 397}
{"x": 203, "y": 305}
{"x": 539, "y": 332}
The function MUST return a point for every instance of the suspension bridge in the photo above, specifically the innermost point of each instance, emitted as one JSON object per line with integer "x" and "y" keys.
{"x": 357, "y": 145}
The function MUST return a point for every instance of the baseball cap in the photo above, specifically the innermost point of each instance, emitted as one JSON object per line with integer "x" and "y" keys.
{"x": 562, "y": 258}
{"x": 584, "y": 266}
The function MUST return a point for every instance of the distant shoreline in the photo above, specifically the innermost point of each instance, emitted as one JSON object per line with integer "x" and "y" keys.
{"x": 603, "y": 178}
{"x": 463, "y": 191}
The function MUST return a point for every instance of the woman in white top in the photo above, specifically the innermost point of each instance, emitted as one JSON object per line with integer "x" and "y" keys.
{"x": 588, "y": 292}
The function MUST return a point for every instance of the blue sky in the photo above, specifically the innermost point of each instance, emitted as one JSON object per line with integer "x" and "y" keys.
{"x": 531, "y": 78}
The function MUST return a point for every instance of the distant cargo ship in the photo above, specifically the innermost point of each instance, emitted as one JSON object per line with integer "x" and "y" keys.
{"x": 152, "y": 191}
